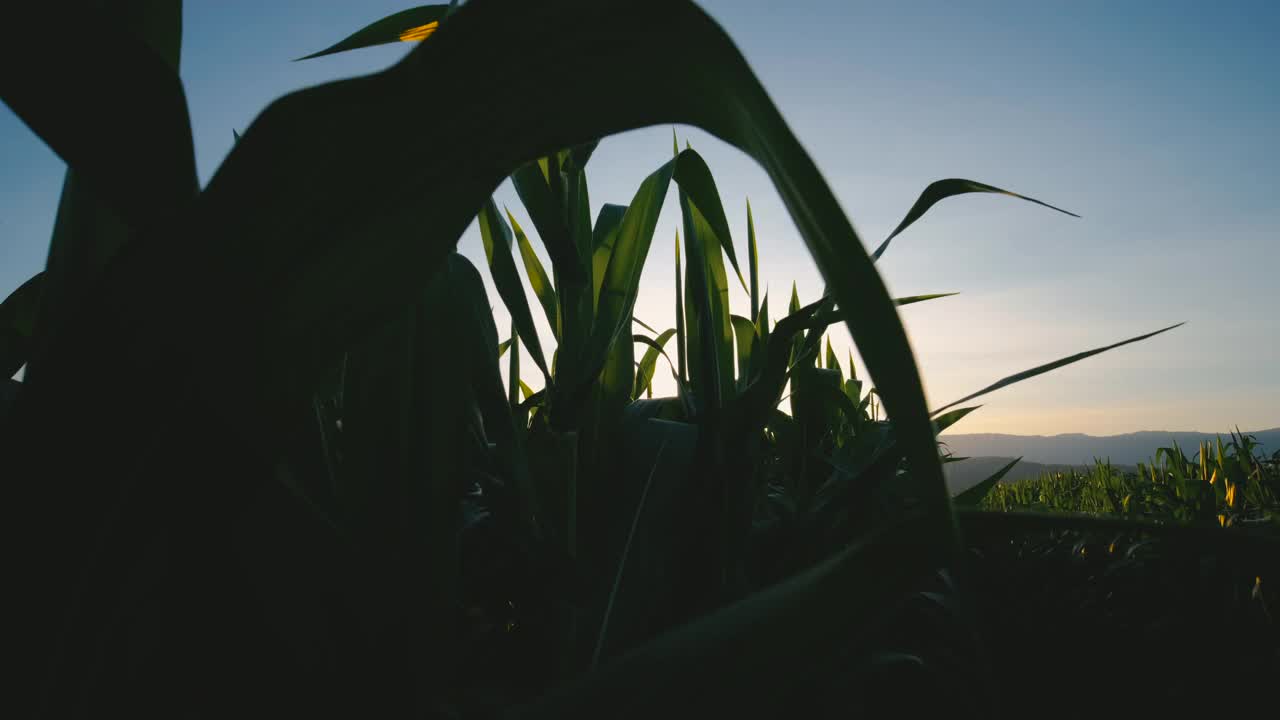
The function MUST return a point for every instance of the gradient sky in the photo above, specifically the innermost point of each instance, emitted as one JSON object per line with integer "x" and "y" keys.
{"x": 1157, "y": 122}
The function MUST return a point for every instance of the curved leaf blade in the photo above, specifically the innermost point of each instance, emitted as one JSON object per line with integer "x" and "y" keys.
{"x": 649, "y": 361}
{"x": 1041, "y": 369}
{"x": 412, "y": 25}
{"x": 942, "y": 189}
{"x": 974, "y": 495}
{"x": 695, "y": 180}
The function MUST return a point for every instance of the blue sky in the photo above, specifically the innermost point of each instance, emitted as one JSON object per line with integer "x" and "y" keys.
{"x": 1154, "y": 121}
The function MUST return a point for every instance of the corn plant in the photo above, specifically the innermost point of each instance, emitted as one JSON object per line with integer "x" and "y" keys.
{"x": 1221, "y": 484}
{"x": 257, "y": 415}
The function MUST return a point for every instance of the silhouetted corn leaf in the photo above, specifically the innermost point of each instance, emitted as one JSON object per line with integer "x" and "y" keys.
{"x": 649, "y": 361}
{"x": 496, "y": 237}
{"x": 947, "y": 419}
{"x": 694, "y": 178}
{"x": 762, "y": 321}
{"x": 603, "y": 236}
{"x": 544, "y": 208}
{"x": 621, "y": 283}
{"x": 602, "y": 635}
{"x": 323, "y": 239}
{"x": 17, "y": 325}
{"x": 513, "y": 370}
{"x": 710, "y": 340}
{"x": 753, "y": 266}
{"x": 681, "y": 331}
{"x": 942, "y": 189}
{"x": 141, "y": 163}
{"x": 643, "y": 324}
{"x": 538, "y": 278}
{"x": 744, "y": 332}
{"x": 1041, "y": 369}
{"x": 973, "y": 496}
{"x": 758, "y": 642}
{"x": 920, "y": 298}
{"x": 105, "y": 203}
{"x": 405, "y": 26}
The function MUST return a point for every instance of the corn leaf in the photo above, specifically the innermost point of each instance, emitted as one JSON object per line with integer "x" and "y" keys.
{"x": 410, "y": 25}
{"x": 141, "y": 164}
{"x": 621, "y": 283}
{"x": 604, "y": 234}
{"x": 543, "y": 205}
{"x": 538, "y": 278}
{"x": 695, "y": 180}
{"x": 809, "y": 618}
{"x": 17, "y": 325}
{"x": 649, "y": 361}
{"x": 744, "y": 333}
{"x": 753, "y": 266}
{"x": 974, "y": 495}
{"x": 707, "y": 316}
{"x": 943, "y": 189}
{"x": 496, "y": 237}
{"x": 1041, "y": 369}
{"x": 681, "y": 332}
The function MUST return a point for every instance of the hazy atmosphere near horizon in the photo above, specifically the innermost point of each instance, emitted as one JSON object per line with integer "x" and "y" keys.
{"x": 1156, "y": 122}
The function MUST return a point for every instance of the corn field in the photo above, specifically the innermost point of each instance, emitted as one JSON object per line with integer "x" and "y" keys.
{"x": 264, "y": 456}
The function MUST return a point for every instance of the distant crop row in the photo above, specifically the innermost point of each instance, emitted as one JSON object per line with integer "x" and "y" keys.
{"x": 1225, "y": 483}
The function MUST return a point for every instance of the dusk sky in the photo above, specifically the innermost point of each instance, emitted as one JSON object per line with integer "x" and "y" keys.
{"x": 1157, "y": 122}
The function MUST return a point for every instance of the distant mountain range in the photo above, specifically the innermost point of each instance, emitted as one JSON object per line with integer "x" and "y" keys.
{"x": 988, "y": 452}
{"x": 1078, "y": 449}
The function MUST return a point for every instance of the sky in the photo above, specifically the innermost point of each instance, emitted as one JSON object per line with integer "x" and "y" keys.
{"x": 1154, "y": 121}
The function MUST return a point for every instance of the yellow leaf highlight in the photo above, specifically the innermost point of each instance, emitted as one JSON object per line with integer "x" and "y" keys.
{"x": 422, "y": 32}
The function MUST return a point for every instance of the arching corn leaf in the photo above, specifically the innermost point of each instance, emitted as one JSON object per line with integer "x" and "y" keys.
{"x": 649, "y": 361}
{"x": 942, "y": 189}
{"x": 974, "y": 495}
{"x": 412, "y": 25}
{"x": 694, "y": 178}
{"x": 1041, "y": 369}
